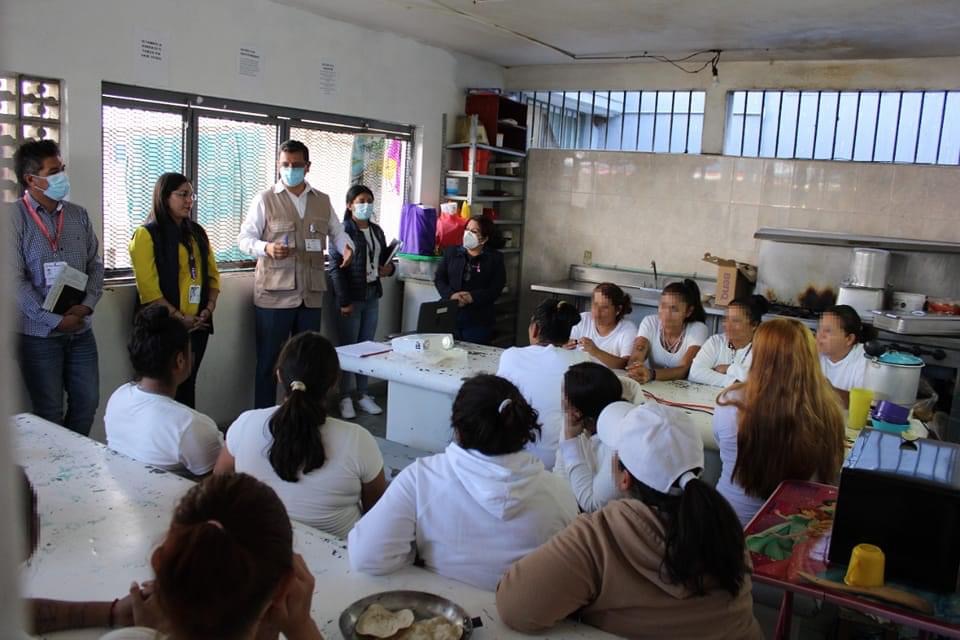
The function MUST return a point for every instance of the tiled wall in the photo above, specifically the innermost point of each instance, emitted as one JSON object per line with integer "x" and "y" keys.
{"x": 631, "y": 208}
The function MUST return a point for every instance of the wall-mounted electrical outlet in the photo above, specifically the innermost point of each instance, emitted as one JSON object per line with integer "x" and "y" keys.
{"x": 588, "y": 257}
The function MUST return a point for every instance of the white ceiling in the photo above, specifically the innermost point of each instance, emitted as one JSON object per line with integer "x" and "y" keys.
{"x": 506, "y": 31}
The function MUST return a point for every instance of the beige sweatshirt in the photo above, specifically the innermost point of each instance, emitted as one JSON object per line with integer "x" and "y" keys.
{"x": 605, "y": 568}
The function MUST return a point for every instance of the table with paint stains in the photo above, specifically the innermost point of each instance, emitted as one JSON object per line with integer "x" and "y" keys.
{"x": 101, "y": 515}
{"x": 421, "y": 388}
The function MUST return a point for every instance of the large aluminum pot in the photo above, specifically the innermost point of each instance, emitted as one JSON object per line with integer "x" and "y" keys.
{"x": 869, "y": 268}
{"x": 894, "y": 376}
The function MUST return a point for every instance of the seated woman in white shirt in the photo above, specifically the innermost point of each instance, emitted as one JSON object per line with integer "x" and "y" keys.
{"x": 668, "y": 342}
{"x": 326, "y": 471}
{"x": 725, "y": 357}
{"x": 604, "y": 332}
{"x": 840, "y": 337}
{"x": 583, "y": 458}
{"x": 471, "y": 511}
{"x": 142, "y": 419}
{"x": 783, "y": 423}
{"x": 538, "y": 370}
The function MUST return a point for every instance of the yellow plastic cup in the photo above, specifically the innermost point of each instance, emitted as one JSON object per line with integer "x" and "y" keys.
{"x": 866, "y": 566}
{"x": 860, "y": 400}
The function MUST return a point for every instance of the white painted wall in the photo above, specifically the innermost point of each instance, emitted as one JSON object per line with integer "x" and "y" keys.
{"x": 378, "y": 75}
{"x": 916, "y": 73}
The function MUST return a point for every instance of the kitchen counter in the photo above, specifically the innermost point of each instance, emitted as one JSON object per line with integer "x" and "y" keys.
{"x": 101, "y": 515}
{"x": 638, "y": 295}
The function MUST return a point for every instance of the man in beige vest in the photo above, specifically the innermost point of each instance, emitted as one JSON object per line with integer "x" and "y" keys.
{"x": 286, "y": 228}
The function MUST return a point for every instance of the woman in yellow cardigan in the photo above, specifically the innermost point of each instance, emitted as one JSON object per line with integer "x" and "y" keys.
{"x": 175, "y": 266}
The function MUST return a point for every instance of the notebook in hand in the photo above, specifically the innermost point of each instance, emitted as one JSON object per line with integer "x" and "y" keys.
{"x": 69, "y": 289}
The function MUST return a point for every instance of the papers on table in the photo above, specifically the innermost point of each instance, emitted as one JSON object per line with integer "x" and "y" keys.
{"x": 363, "y": 349}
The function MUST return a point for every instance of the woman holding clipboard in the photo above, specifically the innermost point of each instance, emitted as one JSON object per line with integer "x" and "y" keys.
{"x": 358, "y": 289}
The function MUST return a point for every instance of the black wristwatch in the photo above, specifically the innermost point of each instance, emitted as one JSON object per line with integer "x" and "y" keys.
{"x": 653, "y": 374}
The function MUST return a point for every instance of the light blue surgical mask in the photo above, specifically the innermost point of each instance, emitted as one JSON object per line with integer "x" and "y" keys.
{"x": 363, "y": 210}
{"x": 292, "y": 176}
{"x": 58, "y": 186}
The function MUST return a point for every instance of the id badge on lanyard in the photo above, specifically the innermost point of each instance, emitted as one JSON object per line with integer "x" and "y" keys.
{"x": 55, "y": 240}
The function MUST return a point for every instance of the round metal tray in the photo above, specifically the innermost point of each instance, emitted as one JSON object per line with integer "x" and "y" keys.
{"x": 424, "y": 606}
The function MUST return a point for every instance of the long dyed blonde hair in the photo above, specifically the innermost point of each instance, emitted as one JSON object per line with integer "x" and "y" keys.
{"x": 790, "y": 425}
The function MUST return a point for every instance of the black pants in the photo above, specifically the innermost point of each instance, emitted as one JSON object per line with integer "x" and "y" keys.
{"x": 187, "y": 391}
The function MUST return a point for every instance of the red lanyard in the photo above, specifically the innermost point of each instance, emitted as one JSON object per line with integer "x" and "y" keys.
{"x": 54, "y": 242}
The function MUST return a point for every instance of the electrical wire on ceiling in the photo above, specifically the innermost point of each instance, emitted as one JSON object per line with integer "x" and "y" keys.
{"x": 679, "y": 63}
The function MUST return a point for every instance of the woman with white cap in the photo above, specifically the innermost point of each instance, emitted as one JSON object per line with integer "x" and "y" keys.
{"x": 669, "y": 561}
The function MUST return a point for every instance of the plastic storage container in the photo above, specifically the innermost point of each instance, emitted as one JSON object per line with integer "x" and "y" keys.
{"x": 483, "y": 160}
{"x": 417, "y": 267}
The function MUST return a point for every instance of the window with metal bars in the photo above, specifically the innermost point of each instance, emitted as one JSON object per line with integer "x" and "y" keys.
{"x": 921, "y": 127}
{"x": 29, "y": 110}
{"x": 651, "y": 121}
{"x": 229, "y": 151}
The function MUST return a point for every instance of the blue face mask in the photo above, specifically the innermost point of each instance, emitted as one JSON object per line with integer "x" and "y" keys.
{"x": 363, "y": 210}
{"x": 292, "y": 176}
{"x": 58, "y": 186}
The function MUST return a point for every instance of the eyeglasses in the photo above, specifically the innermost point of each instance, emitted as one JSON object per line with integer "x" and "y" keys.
{"x": 186, "y": 195}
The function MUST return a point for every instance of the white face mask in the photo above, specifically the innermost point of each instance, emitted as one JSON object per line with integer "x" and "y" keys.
{"x": 470, "y": 240}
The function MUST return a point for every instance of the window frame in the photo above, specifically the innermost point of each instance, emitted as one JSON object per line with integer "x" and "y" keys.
{"x": 735, "y": 119}
{"x": 544, "y": 112}
{"x": 191, "y": 107}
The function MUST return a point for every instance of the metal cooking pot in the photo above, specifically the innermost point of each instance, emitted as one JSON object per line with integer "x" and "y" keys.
{"x": 894, "y": 376}
{"x": 869, "y": 268}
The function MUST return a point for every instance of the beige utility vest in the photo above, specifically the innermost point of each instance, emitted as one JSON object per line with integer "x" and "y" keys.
{"x": 300, "y": 277}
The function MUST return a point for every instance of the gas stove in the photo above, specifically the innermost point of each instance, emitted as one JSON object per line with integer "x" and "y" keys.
{"x": 809, "y": 317}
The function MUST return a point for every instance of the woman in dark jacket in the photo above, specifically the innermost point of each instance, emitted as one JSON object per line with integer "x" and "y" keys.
{"x": 474, "y": 276}
{"x": 175, "y": 266}
{"x": 358, "y": 289}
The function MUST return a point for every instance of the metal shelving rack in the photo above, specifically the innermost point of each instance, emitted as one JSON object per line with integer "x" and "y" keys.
{"x": 509, "y": 217}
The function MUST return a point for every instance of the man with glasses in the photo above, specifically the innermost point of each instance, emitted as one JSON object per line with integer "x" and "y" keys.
{"x": 286, "y": 228}
{"x": 57, "y": 350}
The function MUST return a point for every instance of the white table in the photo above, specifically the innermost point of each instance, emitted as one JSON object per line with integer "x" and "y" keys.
{"x": 419, "y": 396}
{"x": 102, "y": 514}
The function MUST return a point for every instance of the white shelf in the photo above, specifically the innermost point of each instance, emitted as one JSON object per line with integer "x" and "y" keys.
{"x": 481, "y": 176}
{"x": 462, "y": 198}
{"x": 486, "y": 147}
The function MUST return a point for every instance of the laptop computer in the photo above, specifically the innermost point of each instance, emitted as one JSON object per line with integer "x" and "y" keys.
{"x": 437, "y": 317}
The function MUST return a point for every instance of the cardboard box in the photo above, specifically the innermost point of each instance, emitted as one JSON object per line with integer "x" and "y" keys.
{"x": 734, "y": 279}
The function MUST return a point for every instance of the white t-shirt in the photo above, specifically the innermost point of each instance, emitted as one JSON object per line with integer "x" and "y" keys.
{"x": 587, "y": 464}
{"x": 373, "y": 254}
{"x": 538, "y": 373}
{"x": 716, "y": 351}
{"x": 467, "y": 515}
{"x": 725, "y": 430}
{"x": 327, "y": 498}
{"x": 158, "y": 430}
{"x": 694, "y": 335}
{"x": 618, "y": 342}
{"x": 848, "y": 372}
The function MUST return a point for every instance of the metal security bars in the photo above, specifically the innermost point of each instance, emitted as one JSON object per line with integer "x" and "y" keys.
{"x": 229, "y": 149}
{"x": 921, "y": 127}
{"x": 651, "y": 121}
{"x": 29, "y": 110}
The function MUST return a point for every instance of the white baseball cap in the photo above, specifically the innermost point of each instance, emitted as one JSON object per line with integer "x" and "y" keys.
{"x": 656, "y": 444}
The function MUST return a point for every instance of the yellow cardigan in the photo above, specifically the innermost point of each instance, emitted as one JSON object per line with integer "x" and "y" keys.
{"x": 148, "y": 280}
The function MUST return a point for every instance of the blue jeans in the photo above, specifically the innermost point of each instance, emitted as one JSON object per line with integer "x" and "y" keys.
{"x": 64, "y": 363}
{"x": 358, "y": 326}
{"x": 274, "y": 327}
